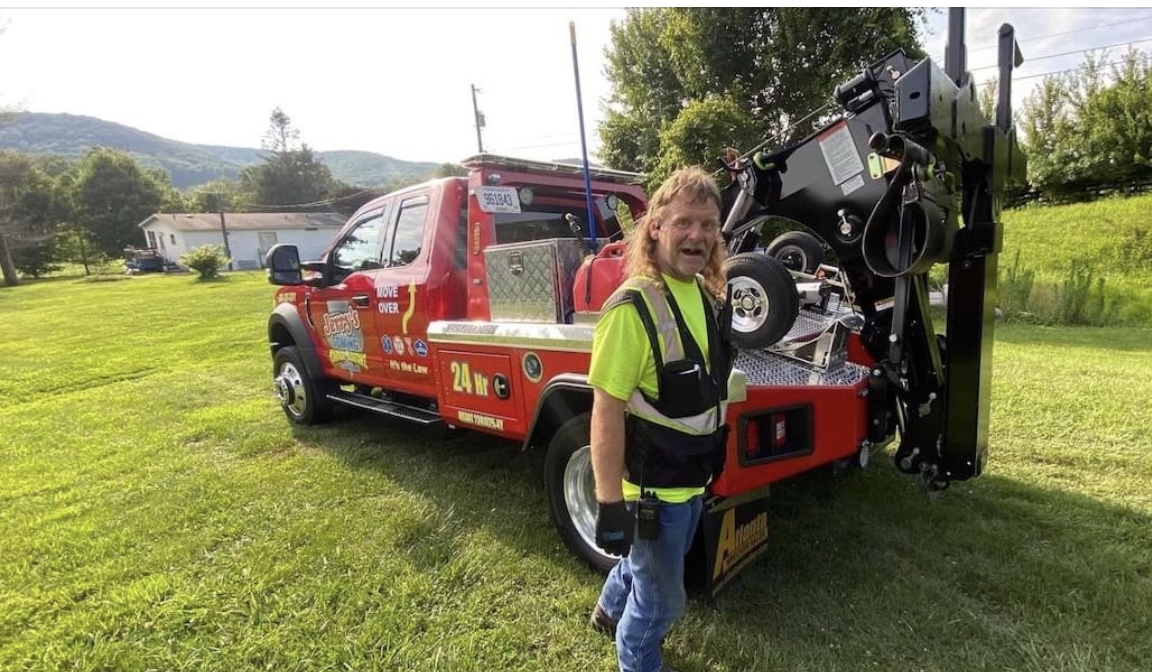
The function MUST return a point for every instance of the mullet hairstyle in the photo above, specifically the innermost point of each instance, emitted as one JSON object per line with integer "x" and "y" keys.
{"x": 640, "y": 258}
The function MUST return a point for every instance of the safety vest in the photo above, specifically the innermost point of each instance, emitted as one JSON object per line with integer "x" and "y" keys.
{"x": 676, "y": 439}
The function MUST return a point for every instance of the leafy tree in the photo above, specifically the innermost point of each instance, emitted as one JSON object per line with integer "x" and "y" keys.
{"x": 1091, "y": 129}
{"x": 289, "y": 175}
{"x": 450, "y": 170}
{"x": 27, "y": 224}
{"x": 347, "y": 199}
{"x": 112, "y": 195}
{"x": 699, "y": 135}
{"x": 776, "y": 65}
{"x": 216, "y": 196}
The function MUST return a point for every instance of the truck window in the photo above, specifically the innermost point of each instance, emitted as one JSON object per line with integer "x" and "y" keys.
{"x": 360, "y": 249}
{"x": 409, "y": 235}
{"x": 541, "y": 222}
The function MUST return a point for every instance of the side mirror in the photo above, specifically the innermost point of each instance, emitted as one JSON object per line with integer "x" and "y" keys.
{"x": 283, "y": 262}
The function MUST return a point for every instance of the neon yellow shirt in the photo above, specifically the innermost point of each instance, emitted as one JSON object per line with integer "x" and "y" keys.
{"x": 622, "y": 361}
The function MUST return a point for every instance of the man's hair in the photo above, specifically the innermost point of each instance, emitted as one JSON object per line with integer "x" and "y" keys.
{"x": 698, "y": 186}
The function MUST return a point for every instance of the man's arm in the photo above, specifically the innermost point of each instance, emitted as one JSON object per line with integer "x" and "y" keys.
{"x": 608, "y": 445}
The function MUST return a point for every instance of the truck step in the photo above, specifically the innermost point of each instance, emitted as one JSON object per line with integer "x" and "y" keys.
{"x": 415, "y": 414}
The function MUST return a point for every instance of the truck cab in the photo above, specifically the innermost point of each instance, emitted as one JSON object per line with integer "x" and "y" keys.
{"x": 357, "y": 320}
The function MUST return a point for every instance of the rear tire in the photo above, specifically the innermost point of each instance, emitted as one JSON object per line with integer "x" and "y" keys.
{"x": 571, "y": 490}
{"x": 302, "y": 398}
{"x": 765, "y": 301}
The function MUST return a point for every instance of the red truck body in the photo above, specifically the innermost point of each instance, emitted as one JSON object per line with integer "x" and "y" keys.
{"x": 434, "y": 306}
{"x": 472, "y": 301}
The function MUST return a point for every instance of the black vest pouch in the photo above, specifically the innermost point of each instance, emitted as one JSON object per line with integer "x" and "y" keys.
{"x": 683, "y": 386}
{"x": 660, "y": 457}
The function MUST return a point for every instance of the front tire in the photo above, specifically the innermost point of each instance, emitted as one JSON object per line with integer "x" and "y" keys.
{"x": 302, "y": 398}
{"x": 571, "y": 490}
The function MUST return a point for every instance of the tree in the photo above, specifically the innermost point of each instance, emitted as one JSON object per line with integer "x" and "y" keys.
{"x": 112, "y": 195}
{"x": 27, "y": 226}
{"x": 699, "y": 135}
{"x": 1091, "y": 129}
{"x": 217, "y": 196}
{"x": 775, "y": 64}
{"x": 289, "y": 175}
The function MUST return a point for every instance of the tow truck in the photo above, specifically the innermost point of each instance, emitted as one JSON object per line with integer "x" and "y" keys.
{"x": 471, "y": 302}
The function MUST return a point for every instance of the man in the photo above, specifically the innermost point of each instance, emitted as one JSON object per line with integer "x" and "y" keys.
{"x": 660, "y": 365}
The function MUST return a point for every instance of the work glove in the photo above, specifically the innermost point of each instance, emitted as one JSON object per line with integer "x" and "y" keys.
{"x": 615, "y": 528}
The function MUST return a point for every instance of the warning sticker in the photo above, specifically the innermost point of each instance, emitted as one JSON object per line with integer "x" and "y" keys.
{"x": 840, "y": 154}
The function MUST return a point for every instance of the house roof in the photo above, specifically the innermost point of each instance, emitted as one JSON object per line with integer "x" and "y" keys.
{"x": 247, "y": 221}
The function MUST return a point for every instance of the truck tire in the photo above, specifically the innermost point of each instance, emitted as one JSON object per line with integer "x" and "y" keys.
{"x": 765, "y": 301}
{"x": 302, "y": 398}
{"x": 799, "y": 251}
{"x": 572, "y": 491}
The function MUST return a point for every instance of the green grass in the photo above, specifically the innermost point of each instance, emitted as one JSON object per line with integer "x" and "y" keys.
{"x": 1112, "y": 236}
{"x": 158, "y": 512}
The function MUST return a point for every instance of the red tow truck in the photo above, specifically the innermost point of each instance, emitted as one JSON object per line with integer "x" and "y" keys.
{"x": 471, "y": 301}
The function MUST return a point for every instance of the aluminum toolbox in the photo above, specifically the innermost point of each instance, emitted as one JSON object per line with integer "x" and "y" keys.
{"x": 532, "y": 282}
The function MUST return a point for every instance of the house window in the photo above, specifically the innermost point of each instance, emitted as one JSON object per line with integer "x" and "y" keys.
{"x": 152, "y": 240}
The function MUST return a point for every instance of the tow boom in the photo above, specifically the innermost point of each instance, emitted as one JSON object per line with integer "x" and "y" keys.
{"x": 910, "y": 175}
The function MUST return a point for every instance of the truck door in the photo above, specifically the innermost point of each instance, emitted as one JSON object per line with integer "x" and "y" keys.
{"x": 401, "y": 297}
{"x": 342, "y": 313}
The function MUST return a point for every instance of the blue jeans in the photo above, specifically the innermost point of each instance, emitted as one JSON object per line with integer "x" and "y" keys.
{"x": 645, "y": 593}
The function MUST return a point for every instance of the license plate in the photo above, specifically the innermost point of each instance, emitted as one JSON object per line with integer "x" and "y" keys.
{"x": 498, "y": 199}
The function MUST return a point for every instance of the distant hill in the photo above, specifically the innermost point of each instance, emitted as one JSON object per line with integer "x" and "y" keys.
{"x": 71, "y": 135}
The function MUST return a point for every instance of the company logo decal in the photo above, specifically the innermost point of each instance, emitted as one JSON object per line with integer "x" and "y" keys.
{"x": 345, "y": 339}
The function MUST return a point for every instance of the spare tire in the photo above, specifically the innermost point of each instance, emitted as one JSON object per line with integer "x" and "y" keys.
{"x": 765, "y": 302}
{"x": 798, "y": 250}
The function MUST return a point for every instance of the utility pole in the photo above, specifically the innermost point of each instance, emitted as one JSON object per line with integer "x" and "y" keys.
{"x": 479, "y": 119}
{"x": 224, "y": 234}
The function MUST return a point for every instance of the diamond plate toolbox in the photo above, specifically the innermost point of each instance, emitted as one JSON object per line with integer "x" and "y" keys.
{"x": 532, "y": 282}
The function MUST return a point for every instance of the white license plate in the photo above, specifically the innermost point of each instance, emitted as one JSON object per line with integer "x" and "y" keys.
{"x": 498, "y": 199}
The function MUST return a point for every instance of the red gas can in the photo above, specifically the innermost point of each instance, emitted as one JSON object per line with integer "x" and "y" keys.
{"x": 598, "y": 277}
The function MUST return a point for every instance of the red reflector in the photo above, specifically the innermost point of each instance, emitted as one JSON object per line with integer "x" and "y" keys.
{"x": 752, "y": 439}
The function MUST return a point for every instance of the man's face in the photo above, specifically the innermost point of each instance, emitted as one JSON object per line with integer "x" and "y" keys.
{"x": 685, "y": 234}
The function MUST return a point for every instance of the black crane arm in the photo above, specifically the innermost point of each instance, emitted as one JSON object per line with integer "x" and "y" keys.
{"x": 911, "y": 174}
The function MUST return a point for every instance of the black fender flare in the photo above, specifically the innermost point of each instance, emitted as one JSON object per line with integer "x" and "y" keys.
{"x": 286, "y": 327}
{"x": 564, "y": 396}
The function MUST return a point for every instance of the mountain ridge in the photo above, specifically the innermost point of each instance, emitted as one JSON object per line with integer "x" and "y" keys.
{"x": 189, "y": 164}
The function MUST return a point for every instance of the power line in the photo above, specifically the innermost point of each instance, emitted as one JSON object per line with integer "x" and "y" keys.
{"x": 1033, "y": 59}
{"x": 327, "y": 201}
{"x": 1061, "y": 72}
{"x": 1069, "y": 32}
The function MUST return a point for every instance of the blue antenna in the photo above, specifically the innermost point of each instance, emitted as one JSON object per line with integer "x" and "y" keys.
{"x": 583, "y": 145}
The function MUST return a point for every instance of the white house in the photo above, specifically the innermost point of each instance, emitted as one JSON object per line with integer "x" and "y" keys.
{"x": 250, "y": 234}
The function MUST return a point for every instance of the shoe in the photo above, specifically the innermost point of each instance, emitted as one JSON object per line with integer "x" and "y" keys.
{"x": 602, "y": 622}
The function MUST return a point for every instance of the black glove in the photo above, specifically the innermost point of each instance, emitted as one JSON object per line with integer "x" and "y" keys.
{"x": 615, "y": 528}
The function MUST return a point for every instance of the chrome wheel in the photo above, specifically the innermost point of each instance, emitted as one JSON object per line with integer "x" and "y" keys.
{"x": 580, "y": 495}
{"x": 291, "y": 391}
{"x": 750, "y": 306}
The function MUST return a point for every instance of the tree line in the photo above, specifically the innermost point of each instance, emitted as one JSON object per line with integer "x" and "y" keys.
{"x": 689, "y": 82}
{"x": 686, "y": 83}
{"x": 55, "y": 211}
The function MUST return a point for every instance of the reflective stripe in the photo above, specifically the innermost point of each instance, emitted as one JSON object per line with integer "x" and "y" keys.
{"x": 704, "y": 423}
{"x": 669, "y": 335}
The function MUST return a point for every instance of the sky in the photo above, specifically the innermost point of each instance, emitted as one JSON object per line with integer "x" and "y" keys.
{"x": 399, "y": 81}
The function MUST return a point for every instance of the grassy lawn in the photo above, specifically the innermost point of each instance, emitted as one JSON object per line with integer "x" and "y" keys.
{"x": 1111, "y": 237}
{"x": 159, "y": 513}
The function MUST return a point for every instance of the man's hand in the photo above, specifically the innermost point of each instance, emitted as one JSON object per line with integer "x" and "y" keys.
{"x": 615, "y": 527}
